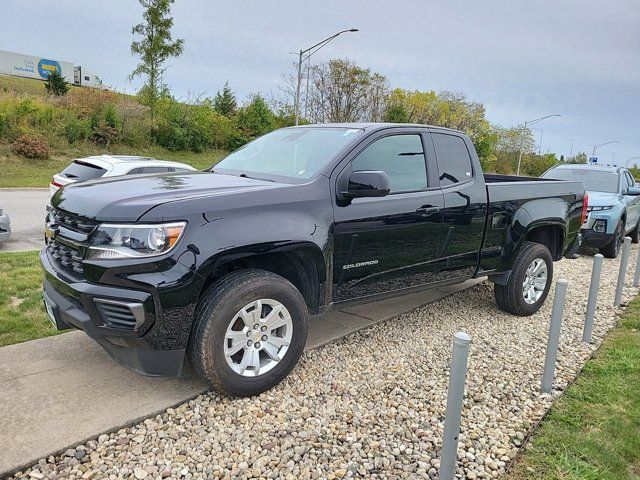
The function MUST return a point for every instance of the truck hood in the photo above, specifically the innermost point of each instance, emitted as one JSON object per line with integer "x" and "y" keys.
{"x": 128, "y": 198}
{"x": 602, "y": 199}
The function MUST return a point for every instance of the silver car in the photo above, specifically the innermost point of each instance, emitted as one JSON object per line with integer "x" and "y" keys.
{"x": 5, "y": 226}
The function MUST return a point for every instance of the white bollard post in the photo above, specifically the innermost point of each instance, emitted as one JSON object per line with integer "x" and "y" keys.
{"x": 554, "y": 335}
{"x": 593, "y": 298}
{"x": 624, "y": 262}
{"x": 455, "y": 395}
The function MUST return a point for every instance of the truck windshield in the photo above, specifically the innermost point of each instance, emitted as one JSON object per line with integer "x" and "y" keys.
{"x": 594, "y": 180}
{"x": 289, "y": 152}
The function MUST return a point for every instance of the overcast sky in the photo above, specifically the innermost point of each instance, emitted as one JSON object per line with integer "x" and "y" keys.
{"x": 522, "y": 59}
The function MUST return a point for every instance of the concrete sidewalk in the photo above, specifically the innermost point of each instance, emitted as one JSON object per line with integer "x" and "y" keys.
{"x": 27, "y": 208}
{"x": 61, "y": 391}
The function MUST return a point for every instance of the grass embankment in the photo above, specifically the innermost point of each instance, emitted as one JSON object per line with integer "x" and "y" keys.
{"x": 26, "y": 172}
{"x": 41, "y": 134}
{"x": 22, "y": 315}
{"x": 593, "y": 430}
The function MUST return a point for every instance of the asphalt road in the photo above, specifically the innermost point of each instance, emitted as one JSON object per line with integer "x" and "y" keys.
{"x": 26, "y": 208}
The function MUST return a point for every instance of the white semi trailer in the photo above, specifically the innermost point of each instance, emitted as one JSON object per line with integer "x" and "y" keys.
{"x": 39, "y": 68}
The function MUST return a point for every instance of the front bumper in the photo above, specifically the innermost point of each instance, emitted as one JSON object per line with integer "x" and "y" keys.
{"x": 595, "y": 239}
{"x": 153, "y": 348}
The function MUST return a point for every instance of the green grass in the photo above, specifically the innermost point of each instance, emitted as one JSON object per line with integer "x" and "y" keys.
{"x": 22, "y": 85}
{"x": 22, "y": 314}
{"x": 23, "y": 172}
{"x": 593, "y": 431}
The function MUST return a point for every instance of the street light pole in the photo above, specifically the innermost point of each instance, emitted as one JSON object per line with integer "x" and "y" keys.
{"x": 595, "y": 147}
{"x": 317, "y": 47}
{"x": 571, "y": 151}
{"x": 524, "y": 129}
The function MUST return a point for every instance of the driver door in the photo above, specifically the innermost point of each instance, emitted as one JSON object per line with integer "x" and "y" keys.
{"x": 389, "y": 243}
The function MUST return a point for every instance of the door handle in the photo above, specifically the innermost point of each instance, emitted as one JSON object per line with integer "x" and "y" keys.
{"x": 427, "y": 210}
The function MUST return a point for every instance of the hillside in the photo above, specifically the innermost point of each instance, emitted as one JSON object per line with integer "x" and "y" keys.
{"x": 40, "y": 134}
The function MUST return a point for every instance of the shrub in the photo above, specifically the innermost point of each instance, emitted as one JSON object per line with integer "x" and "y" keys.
{"x": 30, "y": 147}
{"x": 75, "y": 130}
{"x": 4, "y": 125}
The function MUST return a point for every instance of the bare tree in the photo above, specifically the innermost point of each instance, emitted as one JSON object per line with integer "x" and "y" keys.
{"x": 341, "y": 91}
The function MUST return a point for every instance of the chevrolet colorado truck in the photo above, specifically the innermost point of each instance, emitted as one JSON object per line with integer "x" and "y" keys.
{"x": 225, "y": 266}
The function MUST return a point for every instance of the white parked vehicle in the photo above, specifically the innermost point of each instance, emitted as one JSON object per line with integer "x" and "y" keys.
{"x": 99, "y": 166}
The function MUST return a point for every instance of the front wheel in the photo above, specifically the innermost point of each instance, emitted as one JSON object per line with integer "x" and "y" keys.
{"x": 612, "y": 249}
{"x": 250, "y": 330}
{"x": 529, "y": 282}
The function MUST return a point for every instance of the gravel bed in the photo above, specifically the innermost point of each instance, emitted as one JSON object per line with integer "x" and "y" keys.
{"x": 372, "y": 404}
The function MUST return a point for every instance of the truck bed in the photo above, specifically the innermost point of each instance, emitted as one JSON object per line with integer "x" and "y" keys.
{"x": 497, "y": 178}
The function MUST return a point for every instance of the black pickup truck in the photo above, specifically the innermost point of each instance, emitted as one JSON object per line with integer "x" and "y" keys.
{"x": 225, "y": 266}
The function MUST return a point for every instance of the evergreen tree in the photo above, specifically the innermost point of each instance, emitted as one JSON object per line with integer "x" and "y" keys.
{"x": 56, "y": 84}
{"x": 225, "y": 102}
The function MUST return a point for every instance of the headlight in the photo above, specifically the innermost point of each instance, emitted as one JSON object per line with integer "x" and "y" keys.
{"x": 112, "y": 242}
{"x": 600, "y": 226}
{"x": 599, "y": 209}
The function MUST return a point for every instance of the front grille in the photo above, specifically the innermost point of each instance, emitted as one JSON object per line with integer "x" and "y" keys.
{"x": 120, "y": 315}
{"x": 67, "y": 257}
{"x": 72, "y": 222}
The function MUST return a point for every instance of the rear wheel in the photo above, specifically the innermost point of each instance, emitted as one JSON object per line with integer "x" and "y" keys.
{"x": 529, "y": 282}
{"x": 635, "y": 233}
{"x": 612, "y": 249}
{"x": 249, "y": 332}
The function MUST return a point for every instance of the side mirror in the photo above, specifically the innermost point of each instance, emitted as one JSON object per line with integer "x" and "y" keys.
{"x": 635, "y": 191}
{"x": 368, "y": 183}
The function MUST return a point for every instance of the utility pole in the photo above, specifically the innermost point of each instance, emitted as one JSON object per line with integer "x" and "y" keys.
{"x": 310, "y": 51}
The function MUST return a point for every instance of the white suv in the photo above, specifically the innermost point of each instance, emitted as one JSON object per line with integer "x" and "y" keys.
{"x": 98, "y": 166}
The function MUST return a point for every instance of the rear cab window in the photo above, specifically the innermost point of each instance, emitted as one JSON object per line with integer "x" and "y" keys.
{"x": 81, "y": 171}
{"x": 454, "y": 161}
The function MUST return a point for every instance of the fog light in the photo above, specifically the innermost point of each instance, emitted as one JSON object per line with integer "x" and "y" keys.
{"x": 600, "y": 226}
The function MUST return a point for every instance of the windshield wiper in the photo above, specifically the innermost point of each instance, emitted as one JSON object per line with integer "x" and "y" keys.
{"x": 243, "y": 175}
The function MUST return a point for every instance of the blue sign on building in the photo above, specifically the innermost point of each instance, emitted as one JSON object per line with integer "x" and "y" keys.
{"x": 46, "y": 67}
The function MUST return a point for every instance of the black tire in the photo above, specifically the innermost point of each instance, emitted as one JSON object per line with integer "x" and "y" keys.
{"x": 612, "y": 249}
{"x": 510, "y": 297}
{"x": 635, "y": 233}
{"x": 218, "y": 307}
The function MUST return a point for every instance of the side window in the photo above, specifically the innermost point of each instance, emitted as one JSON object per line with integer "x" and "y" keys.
{"x": 133, "y": 172}
{"x": 401, "y": 156}
{"x": 454, "y": 162}
{"x": 630, "y": 181}
{"x": 154, "y": 170}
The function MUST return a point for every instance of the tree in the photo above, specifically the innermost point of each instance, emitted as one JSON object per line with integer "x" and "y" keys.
{"x": 225, "y": 102}
{"x": 255, "y": 118}
{"x": 341, "y": 91}
{"x": 56, "y": 84}
{"x": 580, "y": 157}
{"x": 445, "y": 109}
{"x": 154, "y": 48}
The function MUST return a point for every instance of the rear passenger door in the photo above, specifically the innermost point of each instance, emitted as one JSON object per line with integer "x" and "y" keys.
{"x": 465, "y": 205}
